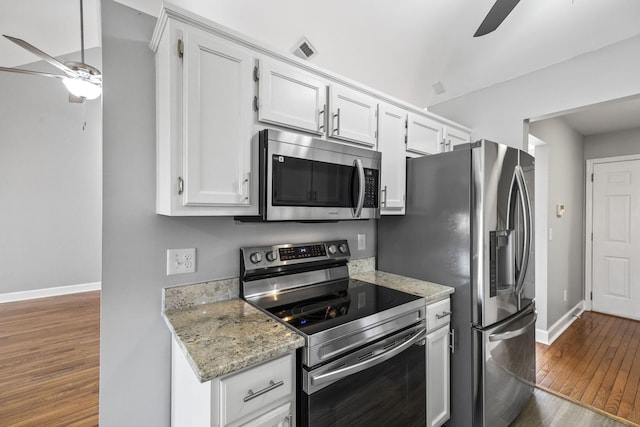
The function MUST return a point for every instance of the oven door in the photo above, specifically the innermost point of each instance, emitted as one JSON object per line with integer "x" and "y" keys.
{"x": 313, "y": 180}
{"x": 381, "y": 384}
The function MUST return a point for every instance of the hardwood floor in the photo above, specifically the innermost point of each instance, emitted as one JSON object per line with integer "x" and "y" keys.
{"x": 595, "y": 362}
{"x": 547, "y": 410}
{"x": 49, "y": 361}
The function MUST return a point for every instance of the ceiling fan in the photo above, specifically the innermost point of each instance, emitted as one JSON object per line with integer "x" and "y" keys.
{"x": 81, "y": 80}
{"x": 496, "y": 15}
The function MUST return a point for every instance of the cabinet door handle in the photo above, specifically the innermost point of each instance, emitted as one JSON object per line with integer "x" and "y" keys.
{"x": 448, "y": 145}
{"x": 337, "y": 117}
{"x": 251, "y": 395}
{"x": 384, "y": 199}
{"x": 452, "y": 344}
{"x": 247, "y": 183}
{"x": 321, "y": 121}
{"x": 443, "y": 314}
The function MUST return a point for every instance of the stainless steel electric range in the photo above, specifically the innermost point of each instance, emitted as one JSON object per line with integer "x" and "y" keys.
{"x": 363, "y": 362}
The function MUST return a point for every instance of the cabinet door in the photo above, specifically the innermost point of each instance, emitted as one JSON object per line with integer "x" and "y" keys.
{"x": 424, "y": 135}
{"x": 217, "y": 123}
{"x": 290, "y": 97}
{"x": 353, "y": 116}
{"x": 438, "y": 377}
{"x": 455, "y": 137}
{"x": 282, "y": 416}
{"x": 392, "y": 123}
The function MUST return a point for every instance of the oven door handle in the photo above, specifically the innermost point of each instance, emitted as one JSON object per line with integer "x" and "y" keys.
{"x": 358, "y": 210}
{"x": 345, "y": 371}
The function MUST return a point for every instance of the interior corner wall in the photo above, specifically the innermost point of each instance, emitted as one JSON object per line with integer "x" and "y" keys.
{"x": 497, "y": 112}
{"x": 135, "y": 346}
{"x": 50, "y": 184}
{"x": 612, "y": 144}
{"x": 565, "y": 269}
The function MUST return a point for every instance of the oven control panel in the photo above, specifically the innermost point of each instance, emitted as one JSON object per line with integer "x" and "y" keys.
{"x": 287, "y": 254}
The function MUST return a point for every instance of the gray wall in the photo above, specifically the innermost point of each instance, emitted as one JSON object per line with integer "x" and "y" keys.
{"x": 565, "y": 268}
{"x": 135, "y": 342}
{"x": 613, "y": 144}
{"x": 498, "y": 112}
{"x": 50, "y": 183}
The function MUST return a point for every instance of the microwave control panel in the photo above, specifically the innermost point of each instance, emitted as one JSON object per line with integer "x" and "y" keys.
{"x": 371, "y": 188}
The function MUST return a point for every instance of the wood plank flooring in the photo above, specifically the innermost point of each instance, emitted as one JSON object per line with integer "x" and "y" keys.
{"x": 595, "y": 362}
{"x": 547, "y": 410}
{"x": 49, "y": 361}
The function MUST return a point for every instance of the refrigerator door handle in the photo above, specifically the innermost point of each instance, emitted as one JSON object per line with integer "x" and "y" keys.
{"x": 527, "y": 219}
{"x": 516, "y": 333}
{"x": 519, "y": 190}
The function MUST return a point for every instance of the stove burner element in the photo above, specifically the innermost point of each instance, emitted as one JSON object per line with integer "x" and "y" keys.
{"x": 315, "y": 311}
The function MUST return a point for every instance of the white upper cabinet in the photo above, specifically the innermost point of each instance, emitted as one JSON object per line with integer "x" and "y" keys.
{"x": 291, "y": 97}
{"x": 218, "y": 120}
{"x": 455, "y": 137}
{"x": 392, "y": 123}
{"x": 353, "y": 115}
{"x": 424, "y": 135}
{"x": 204, "y": 119}
{"x": 427, "y": 135}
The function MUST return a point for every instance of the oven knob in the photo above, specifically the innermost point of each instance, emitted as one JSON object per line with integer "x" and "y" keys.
{"x": 272, "y": 256}
{"x": 255, "y": 257}
{"x": 342, "y": 248}
{"x": 332, "y": 249}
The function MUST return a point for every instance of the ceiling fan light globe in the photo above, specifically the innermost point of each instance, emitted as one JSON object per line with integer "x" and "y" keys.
{"x": 82, "y": 88}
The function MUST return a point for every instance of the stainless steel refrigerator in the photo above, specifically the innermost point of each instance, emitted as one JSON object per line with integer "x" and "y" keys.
{"x": 469, "y": 224}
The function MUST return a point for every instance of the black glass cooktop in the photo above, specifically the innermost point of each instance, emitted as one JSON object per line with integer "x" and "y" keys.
{"x": 344, "y": 301}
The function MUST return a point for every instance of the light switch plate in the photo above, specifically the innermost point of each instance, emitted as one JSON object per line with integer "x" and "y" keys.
{"x": 180, "y": 261}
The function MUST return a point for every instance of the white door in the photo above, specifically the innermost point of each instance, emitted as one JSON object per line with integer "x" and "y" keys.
{"x": 455, "y": 137}
{"x": 353, "y": 115}
{"x": 391, "y": 134}
{"x": 291, "y": 97}
{"x": 217, "y": 122}
{"x": 616, "y": 238}
{"x": 424, "y": 135}
{"x": 438, "y": 365}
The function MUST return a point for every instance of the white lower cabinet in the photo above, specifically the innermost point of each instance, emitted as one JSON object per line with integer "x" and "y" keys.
{"x": 438, "y": 363}
{"x": 262, "y": 395}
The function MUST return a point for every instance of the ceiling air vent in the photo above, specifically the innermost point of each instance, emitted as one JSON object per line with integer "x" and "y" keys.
{"x": 304, "y": 49}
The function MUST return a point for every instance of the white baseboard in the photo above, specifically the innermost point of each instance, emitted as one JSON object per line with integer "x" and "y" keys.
{"x": 50, "y": 292}
{"x": 549, "y": 336}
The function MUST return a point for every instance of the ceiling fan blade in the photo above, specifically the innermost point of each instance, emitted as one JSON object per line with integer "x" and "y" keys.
{"x": 37, "y": 73}
{"x": 51, "y": 60}
{"x": 500, "y": 10}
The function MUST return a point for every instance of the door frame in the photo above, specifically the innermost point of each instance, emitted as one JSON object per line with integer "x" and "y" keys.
{"x": 588, "y": 270}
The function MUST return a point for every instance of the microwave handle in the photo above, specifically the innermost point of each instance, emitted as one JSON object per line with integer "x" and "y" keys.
{"x": 358, "y": 210}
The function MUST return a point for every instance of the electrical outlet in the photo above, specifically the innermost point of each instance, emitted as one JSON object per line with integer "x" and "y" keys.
{"x": 362, "y": 242}
{"x": 180, "y": 261}
{"x": 565, "y": 295}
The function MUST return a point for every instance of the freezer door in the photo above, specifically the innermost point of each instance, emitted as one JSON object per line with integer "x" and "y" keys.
{"x": 502, "y": 229}
{"x": 505, "y": 370}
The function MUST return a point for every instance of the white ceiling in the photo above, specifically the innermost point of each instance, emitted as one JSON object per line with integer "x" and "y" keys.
{"x": 606, "y": 117}
{"x": 401, "y": 48}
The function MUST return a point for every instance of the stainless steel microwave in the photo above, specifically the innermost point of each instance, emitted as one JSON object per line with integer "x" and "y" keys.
{"x": 308, "y": 179}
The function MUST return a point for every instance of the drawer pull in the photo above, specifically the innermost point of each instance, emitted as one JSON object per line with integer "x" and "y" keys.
{"x": 444, "y": 314}
{"x": 251, "y": 395}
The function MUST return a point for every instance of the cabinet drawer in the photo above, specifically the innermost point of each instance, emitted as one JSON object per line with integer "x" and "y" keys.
{"x": 255, "y": 388}
{"x": 438, "y": 314}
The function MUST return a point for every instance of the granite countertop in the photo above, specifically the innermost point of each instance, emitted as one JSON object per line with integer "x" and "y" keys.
{"x": 365, "y": 270}
{"x": 221, "y": 333}
{"x": 225, "y": 336}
